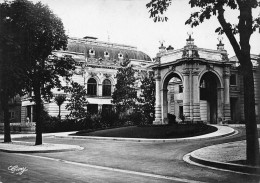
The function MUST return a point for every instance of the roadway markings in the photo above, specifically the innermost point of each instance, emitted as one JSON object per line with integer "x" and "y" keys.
{"x": 116, "y": 169}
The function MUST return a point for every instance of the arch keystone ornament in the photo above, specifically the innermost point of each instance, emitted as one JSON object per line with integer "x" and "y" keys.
{"x": 192, "y": 83}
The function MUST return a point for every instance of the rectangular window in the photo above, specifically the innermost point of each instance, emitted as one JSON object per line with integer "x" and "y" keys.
{"x": 106, "y": 108}
{"x": 92, "y": 108}
{"x": 233, "y": 79}
{"x": 180, "y": 112}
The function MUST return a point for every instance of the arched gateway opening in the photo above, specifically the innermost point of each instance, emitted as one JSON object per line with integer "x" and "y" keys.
{"x": 205, "y": 75}
{"x": 172, "y": 97}
{"x": 209, "y": 101}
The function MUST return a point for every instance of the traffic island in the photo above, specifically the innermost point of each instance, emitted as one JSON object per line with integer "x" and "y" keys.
{"x": 29, "y": 147}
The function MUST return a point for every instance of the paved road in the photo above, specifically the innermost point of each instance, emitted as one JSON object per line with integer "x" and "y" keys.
{"x": 116, "y": 161}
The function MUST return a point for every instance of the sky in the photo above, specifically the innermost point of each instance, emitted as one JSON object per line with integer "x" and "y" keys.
{"x": 128, "y": 22}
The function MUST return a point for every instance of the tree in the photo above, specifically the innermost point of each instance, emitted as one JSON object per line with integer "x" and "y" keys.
{"x": 77, "y": 101}
{"x": 147, "y": 98}
{"x": 10, "y": 84}
{"x": 11, "y": 67}
{"x": 42, "y": 33}
{"x": 244, "y": 28}
{"x": 59, "y": 100}
{"x": 125, "y": 95}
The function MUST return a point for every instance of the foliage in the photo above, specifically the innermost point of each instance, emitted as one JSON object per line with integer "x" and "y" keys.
{"x": 110, "y": 118}
{"x": 147, "y": 99}
{"x": 59, "y": 100}
{"x": 77, "y": 100}
{"x": 125, "y": 95}
{"x": 245, "y": 27}
{"x": 38, "y": 31}
{"x": 100, "y": 120}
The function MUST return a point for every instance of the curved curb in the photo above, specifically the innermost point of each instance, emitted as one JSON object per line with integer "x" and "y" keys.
{"x": 18, "y": 147}
{"x": 212, "y": 135}
{"x": 223, "y": 165}
{"x": 41, "y": 151}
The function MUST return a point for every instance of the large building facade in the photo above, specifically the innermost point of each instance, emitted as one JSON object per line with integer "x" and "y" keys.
{"x": 200, "y": 84}
{"x": 97, "y": 63}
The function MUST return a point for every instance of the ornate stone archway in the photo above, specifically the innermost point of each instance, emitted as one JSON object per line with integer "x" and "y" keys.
{"x": 190, "y": 64}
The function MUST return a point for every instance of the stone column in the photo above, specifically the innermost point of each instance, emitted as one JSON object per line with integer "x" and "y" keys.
{"x": 164, "y": 97}
{"x": 196, "y": 98}
{"x": 31, "y": 117}
{"x": 220, "y": 104}
{"x": 186, "y": 95}
{"x": 172, "y": 101}
{"x": 158, "y": 108}
{"x": 226, "y": 94}
{"x": 99, "y": 90}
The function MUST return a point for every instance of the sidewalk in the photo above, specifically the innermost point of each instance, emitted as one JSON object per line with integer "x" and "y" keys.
{"x": 224, "y": 156}
{"x": 29, "y": 147}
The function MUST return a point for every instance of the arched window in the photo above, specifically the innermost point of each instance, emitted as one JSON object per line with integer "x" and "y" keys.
{"x": 92, "y": 86}
{"x": 106, "y": 88}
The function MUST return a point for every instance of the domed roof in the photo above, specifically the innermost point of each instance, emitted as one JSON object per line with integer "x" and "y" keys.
{"x": 99, "y": 49}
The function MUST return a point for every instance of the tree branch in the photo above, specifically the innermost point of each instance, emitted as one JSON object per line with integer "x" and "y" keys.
{"x": 228, "y": 31}
{"x": 245, "y": 26}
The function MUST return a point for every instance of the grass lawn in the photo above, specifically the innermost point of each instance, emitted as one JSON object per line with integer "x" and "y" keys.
{"x": 155, "y": 132}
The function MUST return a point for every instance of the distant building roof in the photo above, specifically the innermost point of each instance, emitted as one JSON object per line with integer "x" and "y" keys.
{"x": 254, "y": 60}
{"x": 98, "y": 49}
{"x": 89, "y": 37}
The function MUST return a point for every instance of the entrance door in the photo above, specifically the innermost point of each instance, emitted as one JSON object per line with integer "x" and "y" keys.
{"x": 208, "y": 96}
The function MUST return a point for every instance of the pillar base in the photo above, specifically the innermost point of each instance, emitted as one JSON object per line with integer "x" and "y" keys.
{"x": 157, "y": 122}
{"x": 227, "y": 115}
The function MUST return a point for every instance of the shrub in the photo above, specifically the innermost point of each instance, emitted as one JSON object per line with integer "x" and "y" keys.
{"x": 172, "y": 119}
{"x": 50, "y": 124}
{"x": 90, "y": 121}
{"x": 110, "y": 118}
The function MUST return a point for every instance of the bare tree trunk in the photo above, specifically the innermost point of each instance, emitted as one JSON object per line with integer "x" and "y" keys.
{"x": 5, "y": 106}
{"x": 252, "y": 151}
{"x": 38, "y": 117}
{"x": 59, "y": 112}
